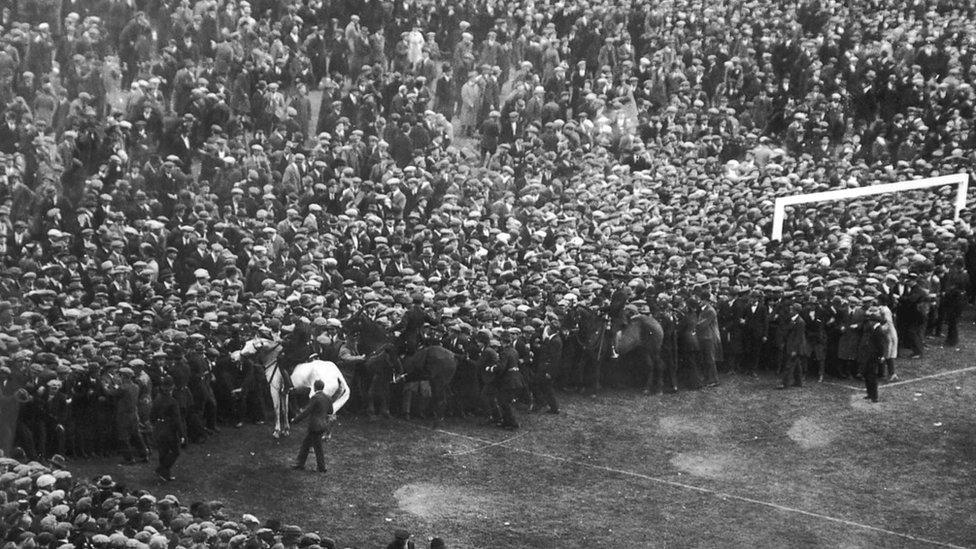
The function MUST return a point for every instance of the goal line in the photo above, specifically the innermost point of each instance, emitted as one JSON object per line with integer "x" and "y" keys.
{"x": 960, "y": 179}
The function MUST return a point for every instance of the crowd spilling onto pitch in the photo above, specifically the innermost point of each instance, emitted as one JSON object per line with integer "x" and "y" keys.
{"x": 167, "y": 194}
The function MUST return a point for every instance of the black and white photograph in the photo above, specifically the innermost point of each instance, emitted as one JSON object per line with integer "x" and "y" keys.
{"x": 428, "y": 274}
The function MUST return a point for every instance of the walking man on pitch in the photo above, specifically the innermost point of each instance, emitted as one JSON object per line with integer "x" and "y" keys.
{"x": 167, "y": 428}
{"x": 320, "y": 416}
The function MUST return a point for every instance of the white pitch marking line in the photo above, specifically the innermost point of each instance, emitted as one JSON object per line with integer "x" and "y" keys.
{"x": 904, "y": 381}
{"x": 932, "y": 376}
{"x": 844, "y": 385}
{"x": 486, "y": 446}
{"x": 716, "y": 493}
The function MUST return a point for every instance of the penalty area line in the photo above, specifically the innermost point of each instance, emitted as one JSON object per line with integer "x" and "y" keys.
{"x": 690, "y": 487}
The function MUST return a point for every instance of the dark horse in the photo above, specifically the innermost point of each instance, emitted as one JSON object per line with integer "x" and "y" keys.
{"x": 639, "y": 342}
{"x": 374, "y": 343}
{"x": 433, "y": 364}
{"x": 436, "y": 365}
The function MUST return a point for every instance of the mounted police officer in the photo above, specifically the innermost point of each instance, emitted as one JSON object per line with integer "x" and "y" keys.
{"x": 615, "y": 312}
{"x": 295, "y": 346}
{"x": 412, "y": 325}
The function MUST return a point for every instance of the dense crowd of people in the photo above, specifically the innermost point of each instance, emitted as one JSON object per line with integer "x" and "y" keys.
{"x": 496, "y": 167}
{"x": 43, "y": 506}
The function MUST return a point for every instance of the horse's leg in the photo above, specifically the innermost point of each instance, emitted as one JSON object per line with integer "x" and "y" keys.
{"x": 652, "y": 363}
{"x": 597, "y": 371}
{"x": 371, "y": 397}
{"x": 276, "y": 403}
{"x": 438, "y": 394}
{"x": 658, "y": 368}
{"x": 383, "y": 396}
{"x": 669, "y": 367}
{"x": 286, "y": 414}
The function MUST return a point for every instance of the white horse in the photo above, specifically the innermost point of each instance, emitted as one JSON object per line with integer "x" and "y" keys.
{"x": 265, "y": 352}
{"x": 303, "y": 376}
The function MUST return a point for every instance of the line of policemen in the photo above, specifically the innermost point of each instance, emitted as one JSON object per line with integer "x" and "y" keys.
{"x": 816, "y": 329}
{"x": 106, "y": 408}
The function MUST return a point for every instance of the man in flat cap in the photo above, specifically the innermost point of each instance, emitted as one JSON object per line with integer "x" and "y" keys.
{"x": 167, "y": 427}
{"x": 873, "y": 350}
{"x": 126, "y": 392}
{"x": 913, "y": 308}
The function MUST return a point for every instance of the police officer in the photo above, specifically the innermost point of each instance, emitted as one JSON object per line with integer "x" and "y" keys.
{"x": 167, "y": 428}
{"x": 327, "y": 343}
{"x": 913, "y": 311}
{"x": 127, "y": 417}
{"x": 874, "y": 347}
{"x": 487, "y": 367}
{"x": 547, "y": 358}
{"x": 412, "y": 325}
{"x": 508, "y": 379}
{"x": 465, "y": 384}
{"x": 663, "y": 311}
{"x": 621, "y": 296}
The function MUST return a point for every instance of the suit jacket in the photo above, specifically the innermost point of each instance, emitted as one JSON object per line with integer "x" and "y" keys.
{"x": 487, "y": 365}
{"x": 9, "y": 139}
{"x": 511, "y": 131}
{"x": 756, "y": 323}
{"x": 796, "y": 338}
{"x": 706, "y": 330}
{"x": 165, "y": 416}
{"x": 507, "y": 373}
{"x": 318, "y": 411}
{"x": 127, "y": 405}
{"x": 550, "y": 352}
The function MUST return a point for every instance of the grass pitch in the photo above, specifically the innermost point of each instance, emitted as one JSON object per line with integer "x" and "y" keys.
{"x": 740, "y": 465}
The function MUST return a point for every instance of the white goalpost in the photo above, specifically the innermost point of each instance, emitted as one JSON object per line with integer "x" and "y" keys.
{"x": 960, "y": 179}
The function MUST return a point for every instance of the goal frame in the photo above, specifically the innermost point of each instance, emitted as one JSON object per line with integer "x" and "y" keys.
{"x": 960, "y": 179}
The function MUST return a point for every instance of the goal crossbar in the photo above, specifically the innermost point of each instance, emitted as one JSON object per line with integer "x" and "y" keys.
{"x": 960, "y": 179}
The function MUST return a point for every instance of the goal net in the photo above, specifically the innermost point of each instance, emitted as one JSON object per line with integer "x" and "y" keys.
{"x": 961, "y": 180}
